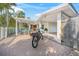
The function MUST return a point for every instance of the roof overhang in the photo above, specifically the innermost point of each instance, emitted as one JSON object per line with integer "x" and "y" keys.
{"x": 52, "y": 13}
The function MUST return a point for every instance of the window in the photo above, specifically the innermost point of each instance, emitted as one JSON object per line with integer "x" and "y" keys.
{"x": 42, "y": 26}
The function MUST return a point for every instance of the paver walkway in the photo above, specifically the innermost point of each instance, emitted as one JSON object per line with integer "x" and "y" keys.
{"x": 21, "y": 46}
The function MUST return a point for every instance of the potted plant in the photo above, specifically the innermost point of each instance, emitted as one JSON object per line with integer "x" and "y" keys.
{"x": 45, "y": 29}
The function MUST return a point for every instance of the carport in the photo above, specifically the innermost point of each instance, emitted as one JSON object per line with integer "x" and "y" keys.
{"x": 21, "y": 21}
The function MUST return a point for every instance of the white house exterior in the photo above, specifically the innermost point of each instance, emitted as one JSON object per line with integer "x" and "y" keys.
{"x": 54, "y": 19}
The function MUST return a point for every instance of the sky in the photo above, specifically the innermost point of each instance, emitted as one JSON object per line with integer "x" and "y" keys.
{"x": 33, "y": 9}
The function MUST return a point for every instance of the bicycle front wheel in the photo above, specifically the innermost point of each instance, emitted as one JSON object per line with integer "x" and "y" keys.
{"x": 34, "y": 42}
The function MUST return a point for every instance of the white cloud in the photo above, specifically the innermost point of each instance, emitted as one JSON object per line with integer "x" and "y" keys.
{"x": 17, "y": 9}
{"x": 37, "y": 14}
{"x": 41, "y": 4}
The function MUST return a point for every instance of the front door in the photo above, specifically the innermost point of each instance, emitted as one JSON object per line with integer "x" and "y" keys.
{"x": 33, "y": 27}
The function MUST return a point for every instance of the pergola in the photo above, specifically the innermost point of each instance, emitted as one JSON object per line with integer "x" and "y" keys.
{"x": 27, "y": 21}
{"x": 22, "y": 20}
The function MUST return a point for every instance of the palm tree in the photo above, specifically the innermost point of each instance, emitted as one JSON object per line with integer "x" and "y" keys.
{"x": 8, "y": 15}
{"x": 5, "y": 14}
{"x": 4, "y": 11}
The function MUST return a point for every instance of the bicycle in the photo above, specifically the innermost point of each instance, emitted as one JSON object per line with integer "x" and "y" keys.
{"x": 35, "y": 38}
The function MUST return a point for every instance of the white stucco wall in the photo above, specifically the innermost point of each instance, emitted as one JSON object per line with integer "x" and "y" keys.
{"x": 52, "y": 27}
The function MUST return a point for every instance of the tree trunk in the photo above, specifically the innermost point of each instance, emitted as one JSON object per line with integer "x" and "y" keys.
{"x": 6, "y": 28}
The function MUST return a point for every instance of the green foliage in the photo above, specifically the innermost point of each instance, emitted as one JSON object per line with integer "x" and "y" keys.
{"x": 46, "y": 29}
{"x": 12, "y": 22}
{"x": 2, "y": 20}
{"x": 20, "y": 14}
{"x": 25, "y": 25}
{"x": 4, "y": 10}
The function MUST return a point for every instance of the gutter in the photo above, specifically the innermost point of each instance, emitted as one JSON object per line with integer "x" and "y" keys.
{"x": 73, "y": 7}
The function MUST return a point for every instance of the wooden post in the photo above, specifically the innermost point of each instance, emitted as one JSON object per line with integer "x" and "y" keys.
{"x": 16, "y": 28}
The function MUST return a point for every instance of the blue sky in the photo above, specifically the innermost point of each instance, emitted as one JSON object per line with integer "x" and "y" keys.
{"x": 32, "y": 9}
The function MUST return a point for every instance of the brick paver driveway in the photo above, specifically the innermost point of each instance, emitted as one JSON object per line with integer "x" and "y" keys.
{"x": 22, "y": 46}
